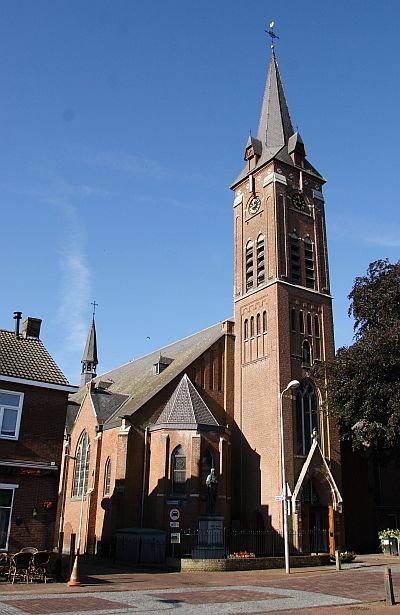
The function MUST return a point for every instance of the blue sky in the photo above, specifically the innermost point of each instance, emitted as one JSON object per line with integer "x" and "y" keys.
{"x": 123, "y": 125}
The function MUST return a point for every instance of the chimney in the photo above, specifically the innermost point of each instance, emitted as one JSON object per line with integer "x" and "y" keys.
{"x": 17, "y": 317}
{"x": 31, "y": 327}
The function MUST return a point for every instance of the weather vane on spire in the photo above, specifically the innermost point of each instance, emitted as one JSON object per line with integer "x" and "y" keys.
{"x": 95, "y": 305}
{"x": 271, "y": 34}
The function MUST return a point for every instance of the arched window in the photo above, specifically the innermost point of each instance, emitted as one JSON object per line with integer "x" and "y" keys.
{"x": 293, "y": 319}
{"x": 246, "y": 329}
{"x": 301, "y": 321}
{"x": 107, "y": 477}
{"x": 220, "y": 366}
{"x": 306, "y": 353}
{"x": 307, "y": 416}
{"x": 211, "y": 379}
{"x": 252, "y": 326}
{"x": 316, "y": 325}
{"x": 82, "y": 454}
{"x": 249, "y": 266}
{"x": 258, "y": 324}
{"x": 309, "y": 324}
{"x": 202, "y": 373}
{"x": 317, "y": 334}
{"x": 309, "y": 262}
{"x": 264, "y": 321}
{"x": 260, "y": 260}
{"x": 295, "y": 270}
{"x": 178, "y": 471}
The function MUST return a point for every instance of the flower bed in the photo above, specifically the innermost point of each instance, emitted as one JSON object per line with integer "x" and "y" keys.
{"x": 244, "y": 563}
{"x": 241, "y": 555}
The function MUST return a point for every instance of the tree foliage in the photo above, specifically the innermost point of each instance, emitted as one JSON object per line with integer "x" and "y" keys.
{"x": 363, "y": 384}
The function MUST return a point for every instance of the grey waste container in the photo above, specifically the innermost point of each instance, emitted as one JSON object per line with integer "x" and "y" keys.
{"x": 140, "y": 546}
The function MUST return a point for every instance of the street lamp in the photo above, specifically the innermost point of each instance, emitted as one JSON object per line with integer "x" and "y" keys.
{"x": 293, "y": 384}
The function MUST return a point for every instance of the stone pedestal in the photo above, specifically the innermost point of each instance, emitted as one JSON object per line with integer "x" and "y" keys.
{"x": 210, "y": 539}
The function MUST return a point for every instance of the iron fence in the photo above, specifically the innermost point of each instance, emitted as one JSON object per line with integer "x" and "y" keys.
{"x": 260, "y": 543}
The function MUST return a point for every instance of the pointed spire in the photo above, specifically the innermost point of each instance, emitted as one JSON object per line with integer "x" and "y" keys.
{"x": 89, "y": 359}
{"x": 275, "y": 126}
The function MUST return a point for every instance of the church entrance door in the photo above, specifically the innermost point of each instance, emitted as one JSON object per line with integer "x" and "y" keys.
{"x": 317, "y": 521}
{"x": 318, "y": 527}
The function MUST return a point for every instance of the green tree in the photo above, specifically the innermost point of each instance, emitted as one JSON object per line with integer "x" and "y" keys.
{"x": 363, "y": 384}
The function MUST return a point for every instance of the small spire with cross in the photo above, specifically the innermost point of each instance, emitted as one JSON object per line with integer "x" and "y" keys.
{"x": 272, "y": 34}
{"x": 95, "y": 305}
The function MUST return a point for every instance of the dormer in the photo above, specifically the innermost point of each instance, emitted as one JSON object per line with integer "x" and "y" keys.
{"x": 252, "y": 152}
{"x": 296, "y": 150}
{"x": 161, "y": 364}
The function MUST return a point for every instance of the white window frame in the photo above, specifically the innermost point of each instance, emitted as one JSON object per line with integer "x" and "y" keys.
{"x": 19, "y": 408}
{"x": 9, "y": 488}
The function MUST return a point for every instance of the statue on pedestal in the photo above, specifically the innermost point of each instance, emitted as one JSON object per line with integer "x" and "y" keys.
{"x": 212, "y": 492}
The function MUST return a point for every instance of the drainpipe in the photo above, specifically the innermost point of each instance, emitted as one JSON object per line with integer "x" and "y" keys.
{"x": 64, "y": 480}
{"x": 146, "y": 432}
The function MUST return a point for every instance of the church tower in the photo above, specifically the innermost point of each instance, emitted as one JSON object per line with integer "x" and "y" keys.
{"x": 283, "y": 326}
{"x": 89, "y": 359}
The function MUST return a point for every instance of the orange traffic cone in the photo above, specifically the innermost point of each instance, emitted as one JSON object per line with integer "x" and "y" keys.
{"x": 74, "y": 579}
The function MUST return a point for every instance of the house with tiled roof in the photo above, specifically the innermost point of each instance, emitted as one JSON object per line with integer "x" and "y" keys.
{"x": 33, "y": 404}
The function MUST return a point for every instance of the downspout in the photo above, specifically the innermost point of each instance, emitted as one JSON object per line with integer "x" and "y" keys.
{"x": 146, "y": 431}
{"x": 67, "y": 457}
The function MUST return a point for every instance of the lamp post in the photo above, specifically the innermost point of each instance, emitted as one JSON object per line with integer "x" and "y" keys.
{"x": 293, "y": 384}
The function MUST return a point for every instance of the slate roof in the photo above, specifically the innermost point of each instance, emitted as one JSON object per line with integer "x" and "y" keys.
{"x": 72, "y": 413}
{"x": 106, "y": 403}
{"x": 275, "y": 126}
{"x": 90, "y": 352}
{"x": 28, "y": 359}
{"x": 137, "y": 379}
{"x": 186, "y": 407}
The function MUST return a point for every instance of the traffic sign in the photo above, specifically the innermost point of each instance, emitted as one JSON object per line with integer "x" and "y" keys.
{"x": 174, "y": 514}
{"x": 174, "y": 524}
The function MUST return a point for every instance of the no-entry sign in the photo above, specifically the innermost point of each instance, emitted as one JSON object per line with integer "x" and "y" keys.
{"x": 174, "y": 514}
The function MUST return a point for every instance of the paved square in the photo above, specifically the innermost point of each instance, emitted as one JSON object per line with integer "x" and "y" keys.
{"x": 217, "y": 596}
{"x": 43, "y": 606}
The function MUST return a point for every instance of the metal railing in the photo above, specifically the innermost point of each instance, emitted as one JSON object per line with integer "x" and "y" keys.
{"x": 258, "y": 543}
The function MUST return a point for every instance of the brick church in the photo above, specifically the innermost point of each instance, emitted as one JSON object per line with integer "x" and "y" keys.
{"x": 142, "y": 438}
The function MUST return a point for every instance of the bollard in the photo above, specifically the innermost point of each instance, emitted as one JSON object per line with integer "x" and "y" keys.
{"x": 337, "y": 560}
{"x": 71, "y": 554}
{"x": 388, "y": 586}
{"x": 58, "y": 565}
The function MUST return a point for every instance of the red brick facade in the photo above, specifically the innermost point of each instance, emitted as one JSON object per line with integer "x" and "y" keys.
{"x": 269, "y": 356}
{"x": 31, "y": 464}
{"x": 282, "y": 326}
{"x": 141, "y": 474}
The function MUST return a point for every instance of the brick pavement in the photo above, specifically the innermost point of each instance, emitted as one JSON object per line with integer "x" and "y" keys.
{"x": 112, "y": 589}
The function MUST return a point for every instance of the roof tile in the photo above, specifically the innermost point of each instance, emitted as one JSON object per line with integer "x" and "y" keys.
{"x": 28, "y": 359}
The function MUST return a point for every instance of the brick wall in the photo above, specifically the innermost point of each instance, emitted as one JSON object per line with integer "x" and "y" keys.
{"x": 254, "y": 563}
{"x": 125, "y": 447}
{"x": 40, "y": 441}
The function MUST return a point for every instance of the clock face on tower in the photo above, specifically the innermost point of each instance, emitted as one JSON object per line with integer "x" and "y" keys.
{"x": 299, "y": 202}
{"x": 254, "y": 205}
